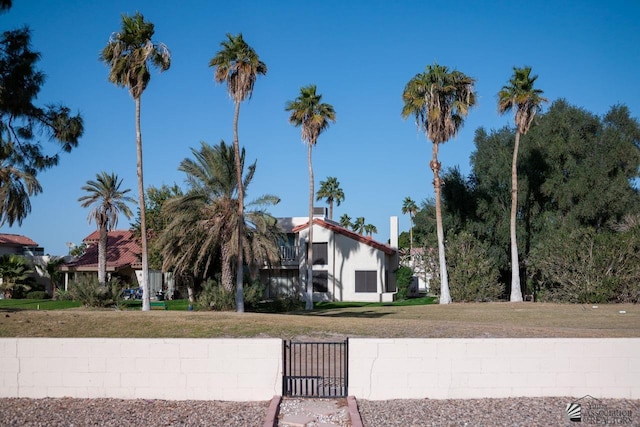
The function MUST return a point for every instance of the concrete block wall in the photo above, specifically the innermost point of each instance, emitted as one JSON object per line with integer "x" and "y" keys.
{"x": 478, "y": 368}
{"x": 251, "y": 369}
{"x": 172, "y": 369}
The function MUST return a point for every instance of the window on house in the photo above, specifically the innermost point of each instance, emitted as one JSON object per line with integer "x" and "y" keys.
{"x": 366, "y": 281}
{"x": 320, "y": 281}
{"x": 320, "y": 254}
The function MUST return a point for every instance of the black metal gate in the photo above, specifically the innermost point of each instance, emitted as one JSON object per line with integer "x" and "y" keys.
{"x": 315, "y": 369}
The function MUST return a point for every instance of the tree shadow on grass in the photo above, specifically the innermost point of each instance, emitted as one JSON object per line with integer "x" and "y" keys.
{"x": 367, "y": 314}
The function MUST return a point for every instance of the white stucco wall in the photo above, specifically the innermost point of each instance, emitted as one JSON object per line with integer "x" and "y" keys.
{"x": 251, "y": 369}
{"x": 494, "y": 368}
{"x": 173, "y": 369}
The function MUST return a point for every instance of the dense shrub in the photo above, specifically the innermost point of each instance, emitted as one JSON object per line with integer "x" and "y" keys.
{"x": 404, "y": 277}
{"x": 62, "y": 295}
{"x": 37, "y": 295}
{"x": 253, "y": 294}
{"x": 90, "y": 293}
{"x": 472, "y": 275}
{"x": 215, "y": 297}
{"x": 582, "y": 265}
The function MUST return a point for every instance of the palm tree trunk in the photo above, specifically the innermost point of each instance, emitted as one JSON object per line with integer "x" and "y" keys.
{"x": 146, "y": 302}
{"x": 239, "y": 261}
{"x": 309, "y": 296}
{"x": 331, "y": 210}
{"x": 445, "y": 296}
{"x": 102, "y": 255}
{"x": 227, "y": 273}
{"x": 410, "y": 240}
{"x": 516, "y": 291}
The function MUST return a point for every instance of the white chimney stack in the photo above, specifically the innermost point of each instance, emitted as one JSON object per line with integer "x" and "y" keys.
{"x": 393, "y": 234}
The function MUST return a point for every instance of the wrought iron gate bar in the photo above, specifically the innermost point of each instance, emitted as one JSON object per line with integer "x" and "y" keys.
{"x": 315, "y": 369}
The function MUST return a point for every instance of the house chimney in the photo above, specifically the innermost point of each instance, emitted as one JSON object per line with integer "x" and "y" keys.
{"x": 320, "y": 212}
{"x": 393, "y": 234}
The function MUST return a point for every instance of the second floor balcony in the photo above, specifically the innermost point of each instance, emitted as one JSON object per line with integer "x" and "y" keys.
{"x": 289, "y": 255}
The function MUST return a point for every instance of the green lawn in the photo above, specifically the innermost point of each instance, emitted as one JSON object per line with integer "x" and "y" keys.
{"x": 183, "y": 304}
{"x": 339, "y": 304}
{"x": 36, "y": 304}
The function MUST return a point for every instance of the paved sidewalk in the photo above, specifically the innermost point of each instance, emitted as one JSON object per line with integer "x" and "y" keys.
{"x": 298, "y": 412}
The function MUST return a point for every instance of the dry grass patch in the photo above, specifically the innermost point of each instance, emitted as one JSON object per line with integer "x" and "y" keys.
{"x": 514, "y": 320}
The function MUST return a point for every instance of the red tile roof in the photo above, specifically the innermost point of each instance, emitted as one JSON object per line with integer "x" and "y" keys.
{"x": 16, "y": 240}
{"x": 123, "y": 250}
{"x": 355, "y": 236}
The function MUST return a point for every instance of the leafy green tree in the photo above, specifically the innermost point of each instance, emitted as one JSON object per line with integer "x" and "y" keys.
{"x": 22, "y": 123}
{"x": 439, "y": 100}
{"x": 203, "y": 226}
{"x": 238, "y": 65}
{"x": 592, "y": 163}
{"x": 521, "y": 96}
{"x": 345, "y": 221}
{"x": 107, "y": 201}
{"x": 129, "y": 55}
{"x": 491, "y": 194}
{"x": 314, "y": 117}
{"x": 16, "y": 274}
{"x": 331, "y": 191}
{"x": 5, "y": 5}
{"x": 410, "y": 207}
{"x": 576, "y": 170}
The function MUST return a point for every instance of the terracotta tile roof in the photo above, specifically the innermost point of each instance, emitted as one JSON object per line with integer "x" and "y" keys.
{"x": 123, "y": 250}
{"x": 336, "y": 228}
{"x": 16, "y": 240}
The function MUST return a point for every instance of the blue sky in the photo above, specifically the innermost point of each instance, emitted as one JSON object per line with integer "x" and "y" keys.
{"x": 360, "y": 54}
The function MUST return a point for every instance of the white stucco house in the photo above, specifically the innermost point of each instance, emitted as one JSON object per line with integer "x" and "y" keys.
{"x": 347, "y": 266}
{"x": 16, "y": 244}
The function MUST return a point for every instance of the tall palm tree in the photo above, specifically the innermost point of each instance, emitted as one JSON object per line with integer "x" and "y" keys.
{"x": 370, "y": 229}
{"x": 521, "y": 96}
{"x": 129, "y": 54}
{"x": 439, "y": 100}
{"x": 345, "y": 221}
{"x": 314, "y": 117}
{"x": 410, "y": 207}
{"x": 359, "y": 225}
{"x": 238, "y": 65}
{"x": 331, "y": 191}
{"x": 107, "y": 201}
{"x": 203, "y": 225}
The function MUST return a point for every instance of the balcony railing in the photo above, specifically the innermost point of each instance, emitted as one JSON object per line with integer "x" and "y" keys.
{"x": 289, "y": 255}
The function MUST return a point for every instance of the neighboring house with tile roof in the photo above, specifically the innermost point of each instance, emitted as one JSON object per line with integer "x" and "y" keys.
{"x": 347, "y": 266}
{"x": 123, "y": 258}
{"x": 19, "y": 245}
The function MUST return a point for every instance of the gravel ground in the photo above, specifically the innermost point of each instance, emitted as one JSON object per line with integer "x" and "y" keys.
{"x": 529, "y": 412}
{"x": 526, "y": 412}
{"x": 67, "y": 412}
